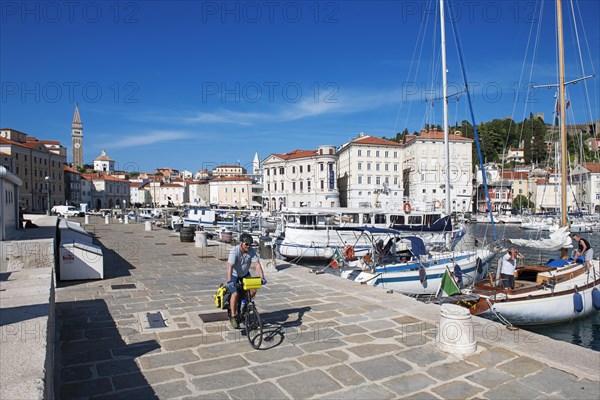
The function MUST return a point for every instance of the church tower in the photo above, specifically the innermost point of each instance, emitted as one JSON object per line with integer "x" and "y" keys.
{"x": 77, "y": 139}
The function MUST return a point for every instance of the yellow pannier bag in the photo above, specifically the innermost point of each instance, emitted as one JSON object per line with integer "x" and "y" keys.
{"x": 221, "y": 297}
{"x": 251, "y": 283}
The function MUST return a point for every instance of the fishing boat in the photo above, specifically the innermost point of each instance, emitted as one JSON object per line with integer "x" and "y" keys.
{"x": 218, "y": 219}
{"x": 559, "y": 291}
{"x": 401, "y": 262}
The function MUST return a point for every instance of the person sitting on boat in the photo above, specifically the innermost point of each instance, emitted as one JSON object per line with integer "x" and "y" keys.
{"x": 507, "y": 269}
{"x": 585, "y": 250}
{"x": 239, "y": 262}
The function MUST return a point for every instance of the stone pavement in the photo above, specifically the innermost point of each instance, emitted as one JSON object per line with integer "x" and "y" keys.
{"x": 326, "y": 338}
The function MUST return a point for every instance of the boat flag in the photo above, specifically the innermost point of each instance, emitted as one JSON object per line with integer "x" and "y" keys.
{"x": 448, "y": 287}
{"x": 336, "y": 259}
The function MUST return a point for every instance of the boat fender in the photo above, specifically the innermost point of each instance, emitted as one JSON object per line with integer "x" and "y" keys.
{"x": 458, "y": 274}
{"x": 479, "y": 265}
{"x": 596, "y": 298}
{"x": 423, "y": 276}
{"x": 578, "y": 302}
{"x": 407, "y": 208}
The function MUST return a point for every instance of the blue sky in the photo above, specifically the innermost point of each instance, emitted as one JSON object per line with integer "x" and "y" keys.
{"x": 193, "y": 85}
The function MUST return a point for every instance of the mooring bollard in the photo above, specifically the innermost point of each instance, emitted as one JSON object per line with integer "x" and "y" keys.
{"x": 148, "y": 225}
{"x": 201, "y": 239}
{"x": 126, "y": 218}
{"x": 86, "y": 219}
{"x": 456, "y": 333}
{"x": 107, "y": 219}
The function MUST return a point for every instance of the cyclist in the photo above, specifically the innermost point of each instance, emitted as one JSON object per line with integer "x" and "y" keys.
{"x": 239, "y": 262}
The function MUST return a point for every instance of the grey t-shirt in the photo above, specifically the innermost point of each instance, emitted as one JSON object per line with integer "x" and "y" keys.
{"x": 242, "y": 261}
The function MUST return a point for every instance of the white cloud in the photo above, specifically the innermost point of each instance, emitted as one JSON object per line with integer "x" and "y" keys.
{"x": 149, "y": 138}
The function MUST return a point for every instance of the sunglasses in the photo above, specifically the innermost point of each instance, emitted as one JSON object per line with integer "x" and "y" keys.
{"x": 247, "y": 244}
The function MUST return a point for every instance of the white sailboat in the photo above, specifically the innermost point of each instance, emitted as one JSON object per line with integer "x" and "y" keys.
{"x": 559, "y": 292}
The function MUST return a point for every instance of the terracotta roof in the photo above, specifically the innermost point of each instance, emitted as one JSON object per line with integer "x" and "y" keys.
{"x": 514, "y": 175}
{"x": 71, "y": 169}
{"x": 173, "y": 185}
{"x": 592, "y": 167}
{"x": 294, "y": 154}
{"x": 375, "y": 141}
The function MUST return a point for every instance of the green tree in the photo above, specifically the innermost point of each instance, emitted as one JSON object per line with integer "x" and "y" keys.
{"x": 521, "y": 203}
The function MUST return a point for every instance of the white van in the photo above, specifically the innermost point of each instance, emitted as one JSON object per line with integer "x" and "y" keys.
{"x": 67, "y": 211}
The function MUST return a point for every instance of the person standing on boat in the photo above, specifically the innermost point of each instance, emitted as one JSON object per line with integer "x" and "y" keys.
{"x": 240, "y": 260}
{"x": 585, "y": 250}
{"x": 507, "y": 269}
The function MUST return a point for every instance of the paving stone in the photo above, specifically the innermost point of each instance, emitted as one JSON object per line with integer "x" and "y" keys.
{"x": 377, "y": 325}
{"x": 276, "y": 369}
{"x": 223, "y": 381}
{"x": 582, "y": 389}
{"x": 421, "y": 396}
{"x": 339, "y": 355}
{"x": 386, "y": 333}
{"x": 361, "y": 338}
{"x": 449, "y": 371}
{"x": 490, "y": 357}
{"x": 380, "y": 367}
{"x": 85, "y": 388}
{"x": 86, "y": 357}
{"x": 143, "y": 393}
{"x": 168, "y": 359}
{"x": 521, "y": 366}
{"x": 308, "y": 384}
{"x": 260, "y": 391}
{"x": 513, "y": 390}
{"x": 171, "y": 389}
{"x": 129, "y": 381}
{"x": 350, "y": 329}
{"x": 208, "y": 396}
{"x": 276, "y": 354}
{"x": 345, "y": 375}
{"x": 190, "y": 342}
{"x": 422, "y": 356}
{"x": 210, "y": 367}
{"x": 116, "y": 367}
{"x": 374, "y": 348}
{"x": 78, "y": 373}
{"x": 489, "y": 378}
{"x": 550, "y": 380}
{"x": 369, "y": 391}
{"x": 317, "y": 360}
{"x": 456, "y": 390}
{"x": 406, "y": 384}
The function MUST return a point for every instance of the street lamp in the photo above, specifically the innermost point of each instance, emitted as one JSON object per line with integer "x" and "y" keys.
{"x": 48, "y": 183}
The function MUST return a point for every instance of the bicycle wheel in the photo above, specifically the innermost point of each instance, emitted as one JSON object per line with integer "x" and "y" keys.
{"x": 254, "y": 326}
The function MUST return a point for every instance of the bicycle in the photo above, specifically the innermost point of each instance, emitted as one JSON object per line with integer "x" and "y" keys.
{"x": 248, "y": 315}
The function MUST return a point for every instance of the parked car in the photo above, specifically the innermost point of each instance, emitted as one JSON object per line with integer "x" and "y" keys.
{"x": 67, "y": 211}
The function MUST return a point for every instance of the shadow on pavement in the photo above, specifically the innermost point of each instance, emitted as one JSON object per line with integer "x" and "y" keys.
{"x": 275, "y": 325}
{"x": 92, "y": 357}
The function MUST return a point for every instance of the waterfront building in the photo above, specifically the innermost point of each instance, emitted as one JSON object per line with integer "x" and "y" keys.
{"x": 300, "y": 178}
{"x": 72, "y": 186}
{"x": 9, "y": 204}
{"x": 199, "y": 193}
{"x": 39, "y": 165}
{"x": 424, "y": 170}
{"x": 230, "y": 192}
{"x": 370, "y": 172}
{"x": 586, "y": 178}
{"x": 228, "y": 170}
{"x": 107, "y": 191}
{"x": 171, "y": 195}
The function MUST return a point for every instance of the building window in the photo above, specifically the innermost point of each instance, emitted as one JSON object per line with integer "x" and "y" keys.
{"x": 359, "y": 166}
{"x": 368, "y": 166}
{"x": 308, "y": 168}
{"x": 281, "y": 171}
{"x": 368, "y": 153}
{"x": 377, "y": 153}
{"x": 300, "y": 169}
{"x": 368, "y": 180}
{"x": 377, "y": 167}
{"x": 308, "y": 186}
{"x": 360, "y": 180}
{"x": 360, "y": 153}
{"x": 387, "y": 154}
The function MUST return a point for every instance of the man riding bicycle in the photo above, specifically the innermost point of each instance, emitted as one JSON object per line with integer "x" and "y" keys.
{"x": 239, "y": 262}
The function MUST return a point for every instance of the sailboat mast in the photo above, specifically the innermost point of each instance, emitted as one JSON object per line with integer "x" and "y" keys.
{"x": 445, "y": 107}
{"x": 563, "y": 119}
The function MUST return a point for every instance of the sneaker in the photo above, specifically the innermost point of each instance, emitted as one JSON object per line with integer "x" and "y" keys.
{"x": 234, "y": 322}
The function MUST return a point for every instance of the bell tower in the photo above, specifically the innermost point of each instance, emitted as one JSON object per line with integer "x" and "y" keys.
{"x": 77, "y": 139}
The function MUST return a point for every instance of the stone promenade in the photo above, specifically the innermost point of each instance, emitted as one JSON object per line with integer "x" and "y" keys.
{"x": 325, "y": 338}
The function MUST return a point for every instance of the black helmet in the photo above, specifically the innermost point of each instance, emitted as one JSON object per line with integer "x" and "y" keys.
{"x": 246, "y": 238}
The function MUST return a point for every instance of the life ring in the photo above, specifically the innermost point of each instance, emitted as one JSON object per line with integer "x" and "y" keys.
{"x": 349, "y": 252}
{"x": 407, "y": 208}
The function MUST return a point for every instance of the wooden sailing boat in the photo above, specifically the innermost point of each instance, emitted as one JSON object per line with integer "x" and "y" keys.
{"x": 550, "y": 293}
